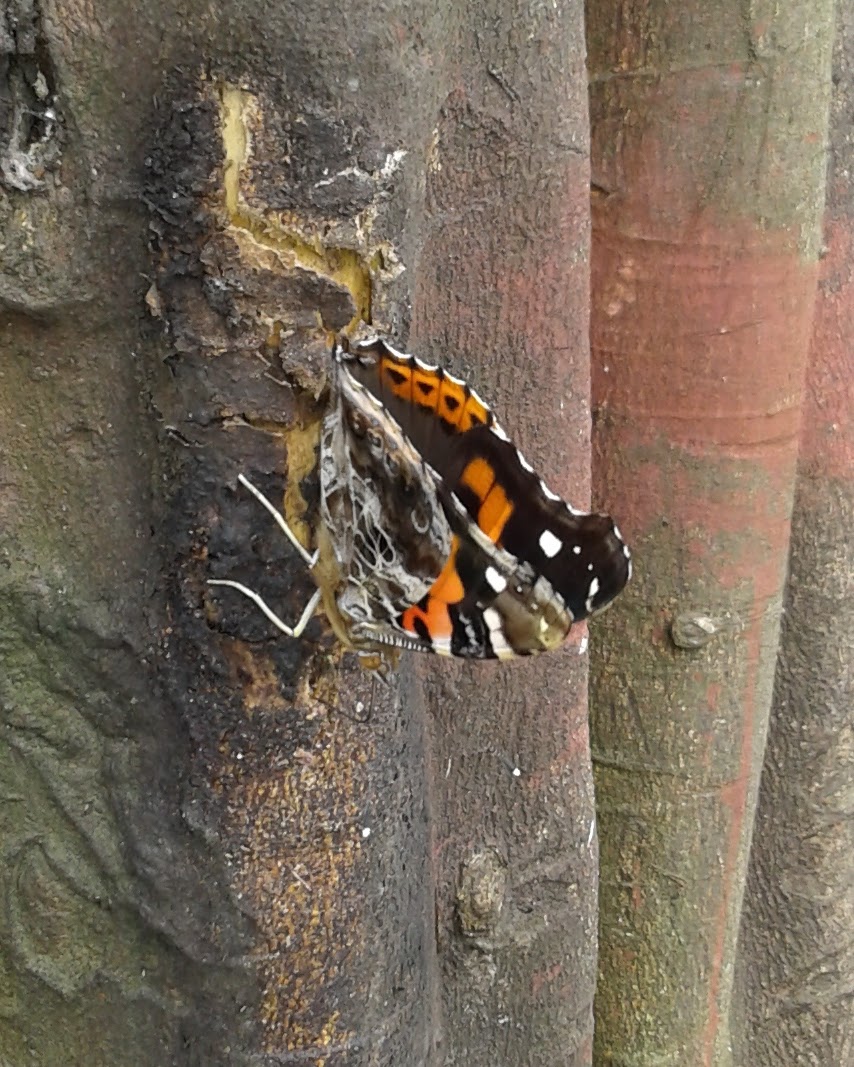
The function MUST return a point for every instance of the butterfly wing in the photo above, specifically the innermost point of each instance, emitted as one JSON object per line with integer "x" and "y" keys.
{"x": 581, "y": 556}
{"x": 379, "y": 510}
{"x": 407, "y": 572}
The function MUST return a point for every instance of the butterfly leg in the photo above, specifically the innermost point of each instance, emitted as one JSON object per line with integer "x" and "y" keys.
{"x": 309, "y": 559}
{"x": 290, "y": 631}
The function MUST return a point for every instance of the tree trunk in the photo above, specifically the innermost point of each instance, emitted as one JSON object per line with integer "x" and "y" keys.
{"x": 117, "y": 923}
{"x": 796, "y": 964}
{"x": 217, "y": 843}
{"x": 503, "y": 282}
{"x": 708, "y": 139}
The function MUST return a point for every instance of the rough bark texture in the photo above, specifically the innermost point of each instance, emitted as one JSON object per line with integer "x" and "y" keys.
{"x": 502, "y": 292}
{"x": 796, "y": 959}
{"x": 208, "y": 857}
{"x": 215, "y": 840}
{"x": 291, "y": 199}
{"x": 708, "y": 132}
{"x": 116, "y": 922}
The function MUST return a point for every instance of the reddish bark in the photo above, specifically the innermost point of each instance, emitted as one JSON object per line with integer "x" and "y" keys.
{"x": 703, "y": 285}
{"x": 796, "y": 966}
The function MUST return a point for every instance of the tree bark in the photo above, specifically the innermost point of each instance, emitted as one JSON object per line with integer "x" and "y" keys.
{"x": 116, "y": 922}
{"x": 708, "y": 134}
{"x": 502, "y": 290}
{"x": 209, "y": 857}
{"x": 796, "y": 965}
{"x": 216, "y": 841}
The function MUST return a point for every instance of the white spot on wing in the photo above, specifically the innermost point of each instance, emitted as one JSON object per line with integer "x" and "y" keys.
{"x": 547, "y": 492}
{"x": 550, "y": 544}
{"x": 499, "y": 433}
{"x": 496, "y": 634}
{"x": 525, "y": 464}
{"x": 496, "y": 582}
{"x": 591, "y": 593}
{"x": 576, "y": 550}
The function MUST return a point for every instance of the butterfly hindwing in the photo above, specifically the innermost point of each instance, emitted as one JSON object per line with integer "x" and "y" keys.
{"x": 382, "y": 516}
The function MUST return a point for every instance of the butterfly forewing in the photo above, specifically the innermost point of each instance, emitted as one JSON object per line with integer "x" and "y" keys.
{"x": 581, "y": 555}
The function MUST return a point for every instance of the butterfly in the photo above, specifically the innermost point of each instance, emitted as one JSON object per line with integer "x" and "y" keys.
{"x": 435, "y": 534}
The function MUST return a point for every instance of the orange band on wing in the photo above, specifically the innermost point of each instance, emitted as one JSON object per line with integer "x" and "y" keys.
{"x": 448, "y": 587}
{"x": 434, "y": 615}
{"x": 474, "y": 414}
{"x": 397, "y": 377}
{"x": 452, "y": 401}
{"x": 478, "y": 476}
{"x": 425, "y": 388}
{"x": 494, "y": 513}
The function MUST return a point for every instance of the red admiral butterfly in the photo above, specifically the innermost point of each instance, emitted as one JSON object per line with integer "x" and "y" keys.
{"x": 435, "y": 534}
